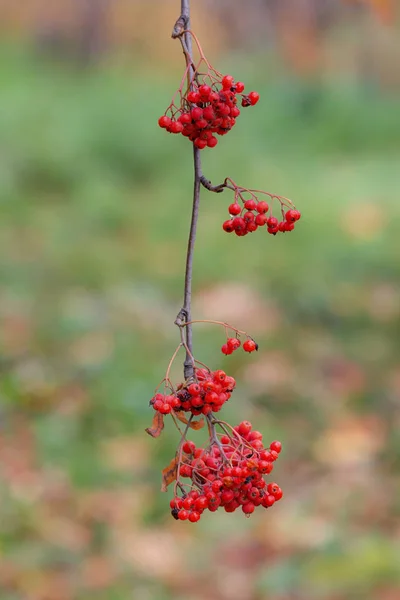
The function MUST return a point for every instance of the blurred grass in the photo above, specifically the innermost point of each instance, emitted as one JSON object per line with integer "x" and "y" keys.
{"x": 95, "y": 204}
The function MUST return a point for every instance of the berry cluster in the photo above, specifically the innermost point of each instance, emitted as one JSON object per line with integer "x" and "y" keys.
{"x": 208, "y": 394}
{"x": 254, "y": 214}
{"x": 207, "y": 110}
{"x": 229, "y": 474}
{"x": 233, "y": 344}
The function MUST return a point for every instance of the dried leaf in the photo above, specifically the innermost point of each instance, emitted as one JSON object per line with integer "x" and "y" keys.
{"x": 157, "y": 425}
{"x": 193, "y": 424}
{"x": 169, "y": 474}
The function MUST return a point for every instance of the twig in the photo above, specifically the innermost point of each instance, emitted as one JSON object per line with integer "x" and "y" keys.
{"x": 182, "y": 24}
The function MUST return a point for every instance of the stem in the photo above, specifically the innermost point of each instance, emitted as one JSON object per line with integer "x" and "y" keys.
{"x": 183, "y": 23}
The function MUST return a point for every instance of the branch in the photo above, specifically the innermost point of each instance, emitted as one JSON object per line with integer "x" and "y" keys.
{"x": 182, "y": 23}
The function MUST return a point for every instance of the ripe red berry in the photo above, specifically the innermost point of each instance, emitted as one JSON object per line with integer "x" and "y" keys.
{"x": 250, "y": 346}
{"x": 164, "y": 121}
{"x": 239, "y": 224}
{"x": 212, "y": 142}
{"x": 248, "y": 508}
{"x": 233, "y": 343}
{"x": 200, "y": 144}
{"x": 185, "y": 118}
{"x": 272, "y": 222}
{"x": 183, "y": 515}
{"x": 292, "y": 215}
{"x": 250, "y": 204}
{"x": 175, "y": 127}
{"x": 194, "y": 516}
{"x": 262, "y": 207}
{"x": 193, "y": 97}
{"x": 234, "y": 209}
{"x": 228, "y": 226}
{"x": 225, "y": 349}
{"x": 277, "y": 446}
{"x": 227, "y": 82}
{"x": 268, "y": 500}
{"x": 254, "y": 98}
{"x": 239, "y": 87}
{"x": 261, "y": 220}
{"x": 204, "y": 91}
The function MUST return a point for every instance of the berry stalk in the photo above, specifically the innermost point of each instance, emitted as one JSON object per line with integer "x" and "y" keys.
{"x": 186, "y": 311}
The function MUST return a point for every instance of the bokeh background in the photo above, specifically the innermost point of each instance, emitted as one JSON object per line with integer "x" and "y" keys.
{"x": 95, "y": 203}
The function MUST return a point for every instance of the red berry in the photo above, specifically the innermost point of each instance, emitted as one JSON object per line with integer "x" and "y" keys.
{"x": 227, "y": 82}
{"x": 183, "y": 515}
{"x": 248, "y": 508}
{"x": 272, "y": 222}
{"x": 228, "y": 226}
{"x": 189, "y": 447}
{"x": 244, "y": 428}
{"x": 268, "y": 500}
{"x": 165, "y": 409}
{"x": 261, "y": 220}
{"x": 164, "y": 121}
{"x": 212, "y": 142}
{"x": 235, "y": 112}
{"x": 176, "y": 127}
{"x": 239, "y": 224}
{"x": 250, "y": 346}
{"x": 253, "y": 225}
{"x": 204, "y": 91}
{"x": 233, "y": 343}
{"x": 250, "y": 204}
{"x": 208, "y": 113}
{"x": 254, "y": 98}
{"x": 193, "y": 97}
{"x": 262, "y": 207}
{"x": 277, "y": 446}
{"x": 196, "y": 113}
{"x": 234, "y": 209}
{"x": 225, "y": 349}
{"x": 194, "y": 389}
{"x": 292, "y": 215}
{"x": 185, "y": 118}
{"x": 239, "y": 87}
{"x": 200, "y": 144}
{"x": 194, "y": 516}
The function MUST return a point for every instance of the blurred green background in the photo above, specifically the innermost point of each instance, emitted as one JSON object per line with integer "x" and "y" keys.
{"x": 95, "y": 205}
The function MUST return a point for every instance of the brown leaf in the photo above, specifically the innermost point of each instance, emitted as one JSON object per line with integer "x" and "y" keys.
{"x": 157, "y": 425}
{"x": 193, "y": 424}
{"x": 169, "y": 474}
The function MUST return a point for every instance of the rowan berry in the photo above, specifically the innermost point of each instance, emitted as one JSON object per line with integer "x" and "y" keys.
{"x": 250, "y": 346}
{"x": 164, "y": 121}
{"x": 183, "y": 514}
{"x": 175, "y": 127}
{"x": 277, "y": 446}
{"x": 254, "y": 98}
{"x": 227, "y": 82}
{"x": 292, "y": 215}
{"x": 228, "y": 226}
{"x": 262, "y": 207}
{"x": 234, "y": 209}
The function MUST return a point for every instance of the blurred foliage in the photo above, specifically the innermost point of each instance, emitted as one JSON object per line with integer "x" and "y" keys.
{"x": 95, "y": 204}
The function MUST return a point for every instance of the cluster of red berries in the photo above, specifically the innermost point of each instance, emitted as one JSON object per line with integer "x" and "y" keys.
{"x": 233, "y": 344}
{"x": 208, "y": 394}
{"x": 206, "y": 110}
{"x": 229, "y": 474}
{"x": 254, "y": 215}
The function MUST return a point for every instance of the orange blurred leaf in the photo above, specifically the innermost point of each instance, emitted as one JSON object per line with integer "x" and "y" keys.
{"x": 169, "y": 474}
{"x": 157, "y": 425}
{"x": 193, "y": 424}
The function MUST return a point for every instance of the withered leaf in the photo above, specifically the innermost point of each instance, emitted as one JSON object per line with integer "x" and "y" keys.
{"x": 193, "y": 424}
{"x": 157, "y": 425}
{"x": 169, "y": 474}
